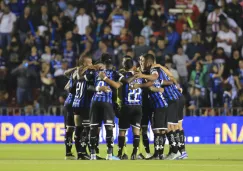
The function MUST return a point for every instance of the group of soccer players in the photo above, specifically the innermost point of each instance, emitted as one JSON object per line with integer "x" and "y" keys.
{"x": 137, "y": 96}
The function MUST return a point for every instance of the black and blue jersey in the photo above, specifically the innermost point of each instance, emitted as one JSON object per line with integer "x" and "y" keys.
{"x": 71, "y": 94}
{"x": 98, "y": 82}
{"x": 157, "y": 98}
{"x": 129, "y": 96}
{"x": 170, "y": 92}
{"x": 83, "y": 97}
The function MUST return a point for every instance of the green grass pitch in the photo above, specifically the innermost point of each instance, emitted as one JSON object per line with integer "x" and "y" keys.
{"x": 41, "y": 157}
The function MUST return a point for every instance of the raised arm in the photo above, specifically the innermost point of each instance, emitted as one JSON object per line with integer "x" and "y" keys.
{"x": 68, "y": 72}
{"x": 112, "y": 83}
{"x": 151, "y": 77}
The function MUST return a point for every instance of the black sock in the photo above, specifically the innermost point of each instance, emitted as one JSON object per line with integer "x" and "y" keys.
{"x": 93, "y": 139}
{"x": 136, "y": 140}
{"x": 84, "y": 139}
{"x": 146, "y": 142}
{"x": 121, "y": 144}
{"x": 97, "y": 143}
{"x": 77, "y": 138}
{"x": 162, "y": 138}
{"x": 182, "y": 141}
{"x": 177, "y": 139}
{"x": 156, "y": 144}
{"x": 68, "y": 141}
{"x": 172, "y": 142}
{"x": 109, "y": 139}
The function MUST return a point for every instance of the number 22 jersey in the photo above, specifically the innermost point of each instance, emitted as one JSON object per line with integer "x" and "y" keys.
{"x": 129, "y": 96}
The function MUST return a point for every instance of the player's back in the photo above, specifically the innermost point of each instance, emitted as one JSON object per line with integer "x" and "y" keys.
{"x": 98, "y": 82}
{"x": 157, "y": 98}
{"x": 82, "y": 95}
{"x": 129, "y": 96}
{"x": 170, "y": 92}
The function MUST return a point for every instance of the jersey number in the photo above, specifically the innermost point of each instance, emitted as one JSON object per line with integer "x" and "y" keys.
{"x": 79, "y": 89}
{"x": 100, "y": 84}
{"x": 133, "y": 95}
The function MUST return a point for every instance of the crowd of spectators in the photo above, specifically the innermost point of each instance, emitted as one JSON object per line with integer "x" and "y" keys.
{"x": 200, "y": 41}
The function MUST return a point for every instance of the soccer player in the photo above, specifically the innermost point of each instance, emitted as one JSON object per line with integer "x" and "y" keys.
{"x": 69, "y": 117}
{"x": 131, "y": 111}
{"x": 101, "y": 104}
{"x": 180, "y": 131}
{"x": 147, "y": 112}
{"x": 176, "y": 129}
{"x": 159, "y": 123}
{"x": 81, "y": 105}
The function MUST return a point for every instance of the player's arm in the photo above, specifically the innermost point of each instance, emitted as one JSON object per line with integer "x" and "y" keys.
{"x": 98, "y": 89}
{"x": 112, "y": 83}
{"x": 144, "y": 85}
{"x": 155, "y": 89}
{"x": 166, "y": 83}
{"x": 166, "y": 71}
{"x": 68, "y": 72}
{"x": 152, "y": 77}
{"x": 127, "y": 80}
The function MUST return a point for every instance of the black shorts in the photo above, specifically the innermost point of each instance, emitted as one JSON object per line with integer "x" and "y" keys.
{"x": 181, "y": 104}
{"x": 159, "y": 120}
{"x": 84, "y": 114}
{"x": 68, "y": 117}
{"x": 130, "y": 115}
{"x": 101, "y": 111}
{"x": 172, "y": 112}
{"x": 147, "y": 116}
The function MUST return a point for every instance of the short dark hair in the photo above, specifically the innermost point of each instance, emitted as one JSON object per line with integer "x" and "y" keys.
{"x": 127, "y": 57}
{"x": 228, "y": 87}
{"x": 128, "y": 64}
{"x": 149, "y": 57}
{"x": 105, "y": 57}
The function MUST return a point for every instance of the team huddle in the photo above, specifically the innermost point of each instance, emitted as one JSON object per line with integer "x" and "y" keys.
{"x": 136, "y": 96}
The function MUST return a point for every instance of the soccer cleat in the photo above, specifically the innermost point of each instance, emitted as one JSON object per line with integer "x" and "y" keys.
{"x": 99, "y": 158}
{"x": 93, "y": 157}
{"x": 153, "y": 158}
{"x": 162, "y": 157}
{"x": 70, "y": 157}
{"x": 85, "y": 157}
{"x": 134, "y": 157}
{"x": 148, "y": 155}
{"x": 173, "y": 156}
{"x": 109, "y": 157}
{"x": 124, "y": 157}
{"x": 140, "y": 157}
{"x": 115, "y": 158}
{"x": 183, "y": 156}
